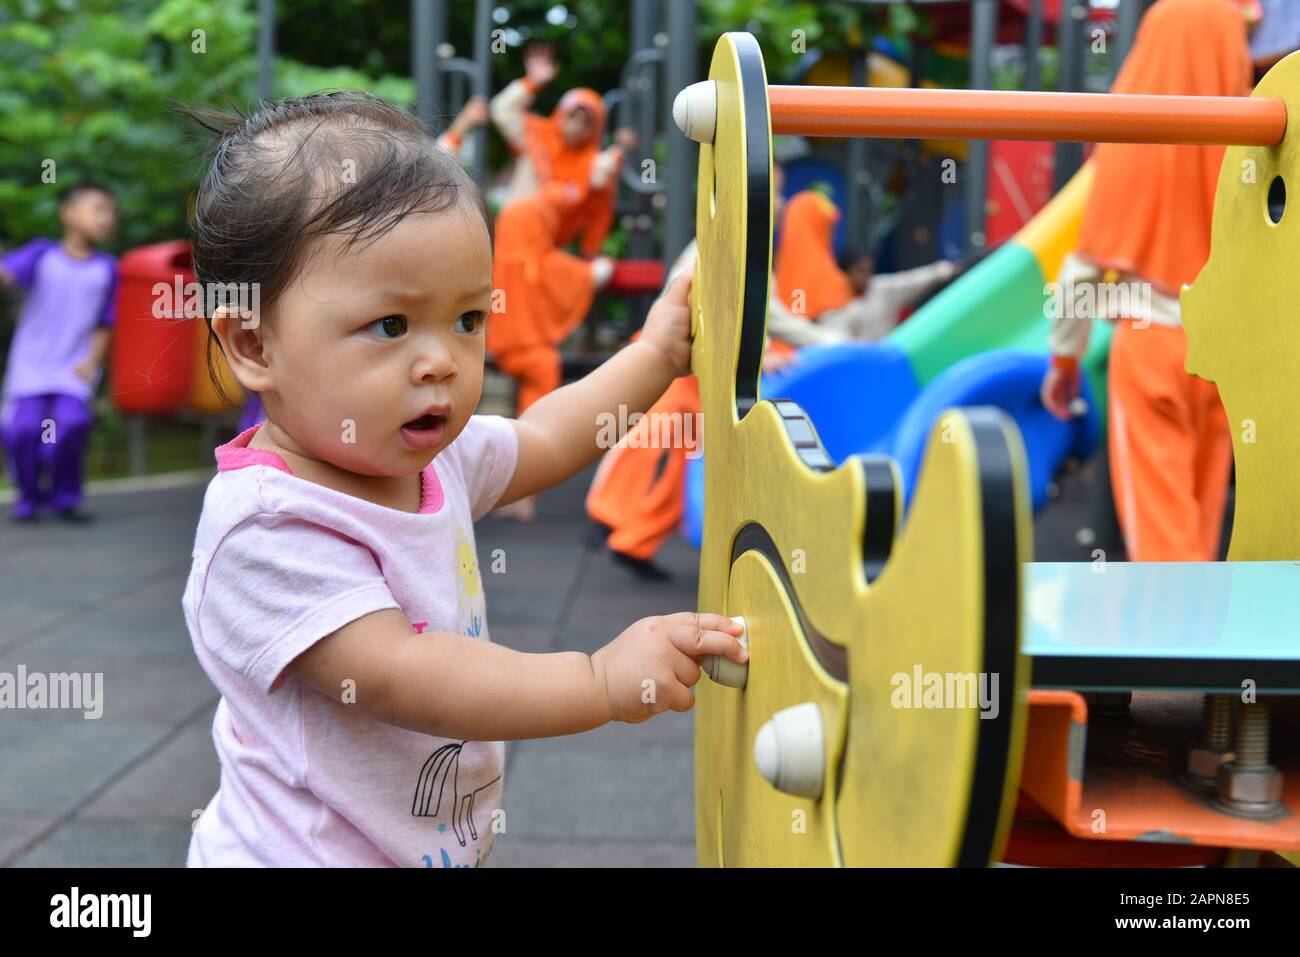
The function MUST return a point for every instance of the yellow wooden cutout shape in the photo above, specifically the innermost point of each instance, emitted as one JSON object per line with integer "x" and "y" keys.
{"x": 1243, "y": 333}
{"x": 809, "y": 838}
{"x": 784, "y": 544}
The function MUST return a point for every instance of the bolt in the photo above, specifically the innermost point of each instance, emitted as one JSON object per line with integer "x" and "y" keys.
{"x": 1204, "y": 757}
{"x": 1249, "y": 786}
{"x": 1218, "y": 722}
{"x": 1252, "y": 737}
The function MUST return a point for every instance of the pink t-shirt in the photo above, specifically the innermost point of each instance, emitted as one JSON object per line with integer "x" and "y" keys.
{"x": 281, "y": 562}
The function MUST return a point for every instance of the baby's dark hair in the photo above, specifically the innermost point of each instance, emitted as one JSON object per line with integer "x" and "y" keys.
{"x": 333, "y": 163}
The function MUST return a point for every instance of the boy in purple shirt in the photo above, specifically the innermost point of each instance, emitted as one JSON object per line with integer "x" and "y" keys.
{"x": 57, "y": 352}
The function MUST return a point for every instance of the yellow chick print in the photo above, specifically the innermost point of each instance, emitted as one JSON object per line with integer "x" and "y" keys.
{"x": 471, "y": 591}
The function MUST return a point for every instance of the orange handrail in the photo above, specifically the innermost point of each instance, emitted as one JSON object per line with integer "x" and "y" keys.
{"x": 1011, "y": 115}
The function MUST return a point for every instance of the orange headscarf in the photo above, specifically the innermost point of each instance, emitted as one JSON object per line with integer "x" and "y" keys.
{"x": 808, "y": 279}
{"x": 1151, "y": 206}
{"x": 586, "y": 210}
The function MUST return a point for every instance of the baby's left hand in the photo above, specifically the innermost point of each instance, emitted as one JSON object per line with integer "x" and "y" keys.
{"x": 668, "y": 326}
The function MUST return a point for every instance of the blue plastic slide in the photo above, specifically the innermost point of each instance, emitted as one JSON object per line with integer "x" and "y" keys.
{"x": 863, "y": 398}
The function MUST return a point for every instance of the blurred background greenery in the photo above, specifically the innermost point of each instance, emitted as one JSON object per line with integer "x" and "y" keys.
{"x": 88, "y": 83}
{"x": 87, "y": 89}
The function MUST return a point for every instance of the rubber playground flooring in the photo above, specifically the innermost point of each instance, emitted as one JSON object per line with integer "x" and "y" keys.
{"x": 123, "y": 789}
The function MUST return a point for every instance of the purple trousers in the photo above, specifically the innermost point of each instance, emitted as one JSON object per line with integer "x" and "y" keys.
{"x": 45, "y": 435}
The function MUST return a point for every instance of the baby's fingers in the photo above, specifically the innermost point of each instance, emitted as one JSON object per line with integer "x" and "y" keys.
{"x": 687, "y": 670}
{"x": 696, "y": 639}
{"x": 706, "y": 620}
{"x": 679, "y": 291}
{"x": 678, "y": 698}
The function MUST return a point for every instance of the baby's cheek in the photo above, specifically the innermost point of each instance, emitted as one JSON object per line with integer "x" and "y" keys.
{"x": 345, "y": 428}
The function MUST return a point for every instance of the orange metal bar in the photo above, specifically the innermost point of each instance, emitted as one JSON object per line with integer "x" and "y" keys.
{"x": 1010, "y": 115}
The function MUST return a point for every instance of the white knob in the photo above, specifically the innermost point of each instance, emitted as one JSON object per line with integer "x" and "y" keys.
{"x": 725, "y": 671}
{"x": 695, "y": 111}
{"x": 1078, "y": 406}
{"x": 790, "y": 751}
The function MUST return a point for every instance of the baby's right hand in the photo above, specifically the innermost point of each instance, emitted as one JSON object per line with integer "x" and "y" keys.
{"x": 652, "y": 666}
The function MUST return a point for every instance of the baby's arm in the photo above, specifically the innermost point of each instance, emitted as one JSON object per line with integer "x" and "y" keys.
{"x": 565, "y": 431}
{"x": 454, "y": 686}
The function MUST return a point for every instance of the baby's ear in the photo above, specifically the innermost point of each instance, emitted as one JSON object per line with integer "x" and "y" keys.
{"x": 238, "y": 329}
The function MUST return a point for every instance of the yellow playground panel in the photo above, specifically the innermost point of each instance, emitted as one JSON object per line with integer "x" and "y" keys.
{"x": 883, "y": 715}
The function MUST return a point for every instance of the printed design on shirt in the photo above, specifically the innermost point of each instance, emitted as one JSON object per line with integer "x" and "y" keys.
{"x": 471, "y": 585}
{"x": 445, "y": 859}
{"x": 441, "y": 774}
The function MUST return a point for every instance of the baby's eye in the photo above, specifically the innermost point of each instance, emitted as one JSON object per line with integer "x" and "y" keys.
{"x": 475, "y": 319}
{"x": 389, "y": 327}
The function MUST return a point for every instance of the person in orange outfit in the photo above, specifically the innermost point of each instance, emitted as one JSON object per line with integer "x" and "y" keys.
{"x": 564, "y": 146}
{"x": 542, "y": 292}
{"x": 636, "y": 494}
{"x": 636, "y": 497}
{"x": 1146, "y": 233}
{"x": 562, "y": 191}
{"x": 808, "y": 279}
{"x": 841, "y": 305}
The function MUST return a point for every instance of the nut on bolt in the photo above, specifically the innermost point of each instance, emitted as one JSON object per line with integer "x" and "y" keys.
{"x": 1215, "y": 746}
{"x": 1203, "y": 765}
{"x": 1249, "y": 786}
{"x": 1249, "y": 792}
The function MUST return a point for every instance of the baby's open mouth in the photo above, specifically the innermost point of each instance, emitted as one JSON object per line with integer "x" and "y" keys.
{"x": 425, "y": 422}
{"x": 426, "y": 431}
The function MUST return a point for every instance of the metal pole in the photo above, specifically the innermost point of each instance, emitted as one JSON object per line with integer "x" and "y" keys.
{"x": 1033, "y": 45}
{"x": 1126, "y": 25}
{"x": 892, "y": 112}
{"x": 456, "y": 97}
{"x": 265, "y": 48}
{"x": 482, "y": 84}
{"x": 1069, "y": 41}
{"x": 428, "y": 31}
{"x": 856, "y": 226}
{"x": 984, "y": 24}
{"x": 641, "y": 36}
{"x": 641, "y": 241}
{"x": 683, "y": 69}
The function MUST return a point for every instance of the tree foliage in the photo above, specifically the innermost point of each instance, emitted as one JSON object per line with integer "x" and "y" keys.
{"x": 88, "y": 85}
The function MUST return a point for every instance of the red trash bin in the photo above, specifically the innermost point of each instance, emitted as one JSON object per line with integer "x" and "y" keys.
{"x": 153, "y": 339}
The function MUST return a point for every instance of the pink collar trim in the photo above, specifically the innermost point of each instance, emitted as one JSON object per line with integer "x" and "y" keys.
{"x": 236, "y": 454}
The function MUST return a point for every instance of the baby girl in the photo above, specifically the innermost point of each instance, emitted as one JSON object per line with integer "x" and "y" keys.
{"x": 335, "y": 599}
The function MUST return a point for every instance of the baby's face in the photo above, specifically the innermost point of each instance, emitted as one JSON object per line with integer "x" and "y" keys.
{"x": 377, "y": 353}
